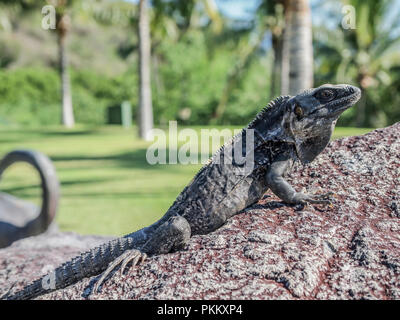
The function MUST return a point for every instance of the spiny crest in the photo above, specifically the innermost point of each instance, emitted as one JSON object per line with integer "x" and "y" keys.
{"x": 276, "y": 103}
{"x": 229, "y": 142}
{"x": 218, "y": 152}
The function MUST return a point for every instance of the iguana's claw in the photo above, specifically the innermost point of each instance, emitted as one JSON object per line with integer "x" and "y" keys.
{"x": 128, "y": 256}
{"x": 319, "y": 201}
{"x": 318, "y": 198}
{"x": 134, "y": 258}
{"x": 327, "y": 195}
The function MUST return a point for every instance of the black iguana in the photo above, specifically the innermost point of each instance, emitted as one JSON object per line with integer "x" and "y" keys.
{"x": 287, "y": 130}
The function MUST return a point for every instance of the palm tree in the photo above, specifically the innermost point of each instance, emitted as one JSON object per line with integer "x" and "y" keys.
{"x": 291, "y": 44}
{"x": 297, "y": 51}
{"x": 289, "y": 22}
{"x": 273, "y": 11}
{"x": 128, "y": 15}
{"x": 62, "y": 29}
{"x": 145, "y": 104}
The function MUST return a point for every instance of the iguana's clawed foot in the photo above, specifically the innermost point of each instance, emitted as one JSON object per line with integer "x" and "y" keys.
{"x": 134, "y": 257}
{"x": 128, "y": 256}
{"x": 316, "y": 199}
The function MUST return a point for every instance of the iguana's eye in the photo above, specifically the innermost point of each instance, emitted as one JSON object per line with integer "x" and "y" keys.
{"x": 298, "y": 111}
{"x": 326, "y": 95}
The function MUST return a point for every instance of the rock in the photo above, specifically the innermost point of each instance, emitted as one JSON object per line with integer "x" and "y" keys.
{"x": 271, "y": 250}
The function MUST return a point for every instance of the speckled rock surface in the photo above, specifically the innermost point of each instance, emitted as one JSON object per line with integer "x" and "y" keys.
{"x": 270, "y": 251}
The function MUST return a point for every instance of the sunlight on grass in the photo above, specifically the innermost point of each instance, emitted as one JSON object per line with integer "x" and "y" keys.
{"x": 106, "y": 183}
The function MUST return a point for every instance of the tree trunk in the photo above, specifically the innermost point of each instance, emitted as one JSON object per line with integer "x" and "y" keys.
{"x": 67, "y": 117}
{"x": 285, "y": 53}
{"x": 277, "y": 66}
{"x": 145, "y": 117}
{"x": 297, "y": 54}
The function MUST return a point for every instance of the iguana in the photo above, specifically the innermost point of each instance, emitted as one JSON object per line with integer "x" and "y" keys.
{"x": 290, "y": 128}
{"x": 18, "y": 218}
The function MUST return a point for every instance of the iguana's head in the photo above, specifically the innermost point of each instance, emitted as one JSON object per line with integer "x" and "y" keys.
{"x": 312, "y": 115}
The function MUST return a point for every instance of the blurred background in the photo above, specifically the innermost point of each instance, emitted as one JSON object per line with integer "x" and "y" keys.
{"x": 72, "y": 89}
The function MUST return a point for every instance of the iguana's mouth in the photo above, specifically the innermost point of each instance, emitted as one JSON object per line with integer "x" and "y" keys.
{"x": 342, "y": 104}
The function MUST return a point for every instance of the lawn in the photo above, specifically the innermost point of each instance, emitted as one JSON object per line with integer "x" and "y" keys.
{"x": 107, "y": 185}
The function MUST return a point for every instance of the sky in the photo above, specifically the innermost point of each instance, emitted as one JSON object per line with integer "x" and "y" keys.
{"x": 240, "y": 9}
{"x": 237, "y": 9}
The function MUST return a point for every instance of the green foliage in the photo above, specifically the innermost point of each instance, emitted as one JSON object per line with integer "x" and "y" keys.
{"x": 31, "y": 96}
{"x": 93, "y": 93}
{"x": 199, "y": 76}
{"x": 251, "y": 94}
{"x": 188, "y": 81}
{"x": 189, "y": 78}
{"x": 368, "y": 57}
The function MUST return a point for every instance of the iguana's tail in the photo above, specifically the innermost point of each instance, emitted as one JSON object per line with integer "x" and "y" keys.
{"x": 49, "y": 184}
{"x": 87, "y": 264}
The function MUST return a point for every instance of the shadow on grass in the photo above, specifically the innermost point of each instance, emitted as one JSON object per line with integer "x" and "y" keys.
{"x": 85, "y": 132}
{"x": 11, "y": 140}
{"x": 104, "y": 194}
{"x": 18, "y": 135}
{"x": 170, "y": 193}
{"x": 135, "y": 159}
{"x": 23, "y": 191}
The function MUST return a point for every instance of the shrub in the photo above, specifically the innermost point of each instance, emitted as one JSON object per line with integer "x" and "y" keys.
{"x": 31, "y": 96}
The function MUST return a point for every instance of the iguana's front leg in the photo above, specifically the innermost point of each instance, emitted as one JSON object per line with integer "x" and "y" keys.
{"x": 284, "y": 190}
{"x": 170, "y": 236}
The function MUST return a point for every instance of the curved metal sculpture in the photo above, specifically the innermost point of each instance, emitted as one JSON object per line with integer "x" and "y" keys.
{"x": 18, "y": 218}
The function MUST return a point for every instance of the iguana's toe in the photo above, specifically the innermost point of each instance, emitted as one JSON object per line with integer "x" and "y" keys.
{"x": 128, "y": 256}
{"x": 134, "y": 257}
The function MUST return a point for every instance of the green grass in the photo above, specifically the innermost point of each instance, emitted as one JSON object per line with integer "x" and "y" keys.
{"x": 107, "y": 185}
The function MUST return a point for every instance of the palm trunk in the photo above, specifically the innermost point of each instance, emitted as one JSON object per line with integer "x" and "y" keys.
{"x": 67, "y": 117}
{"x": 145, "y": 104}
{"x": 285, "y": 54}
{"x": 277, "y": 66}
{"x": 297, "y": 57}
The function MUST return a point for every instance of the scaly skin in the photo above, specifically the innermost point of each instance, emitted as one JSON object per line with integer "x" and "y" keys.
{"x": 288, "y": 130}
